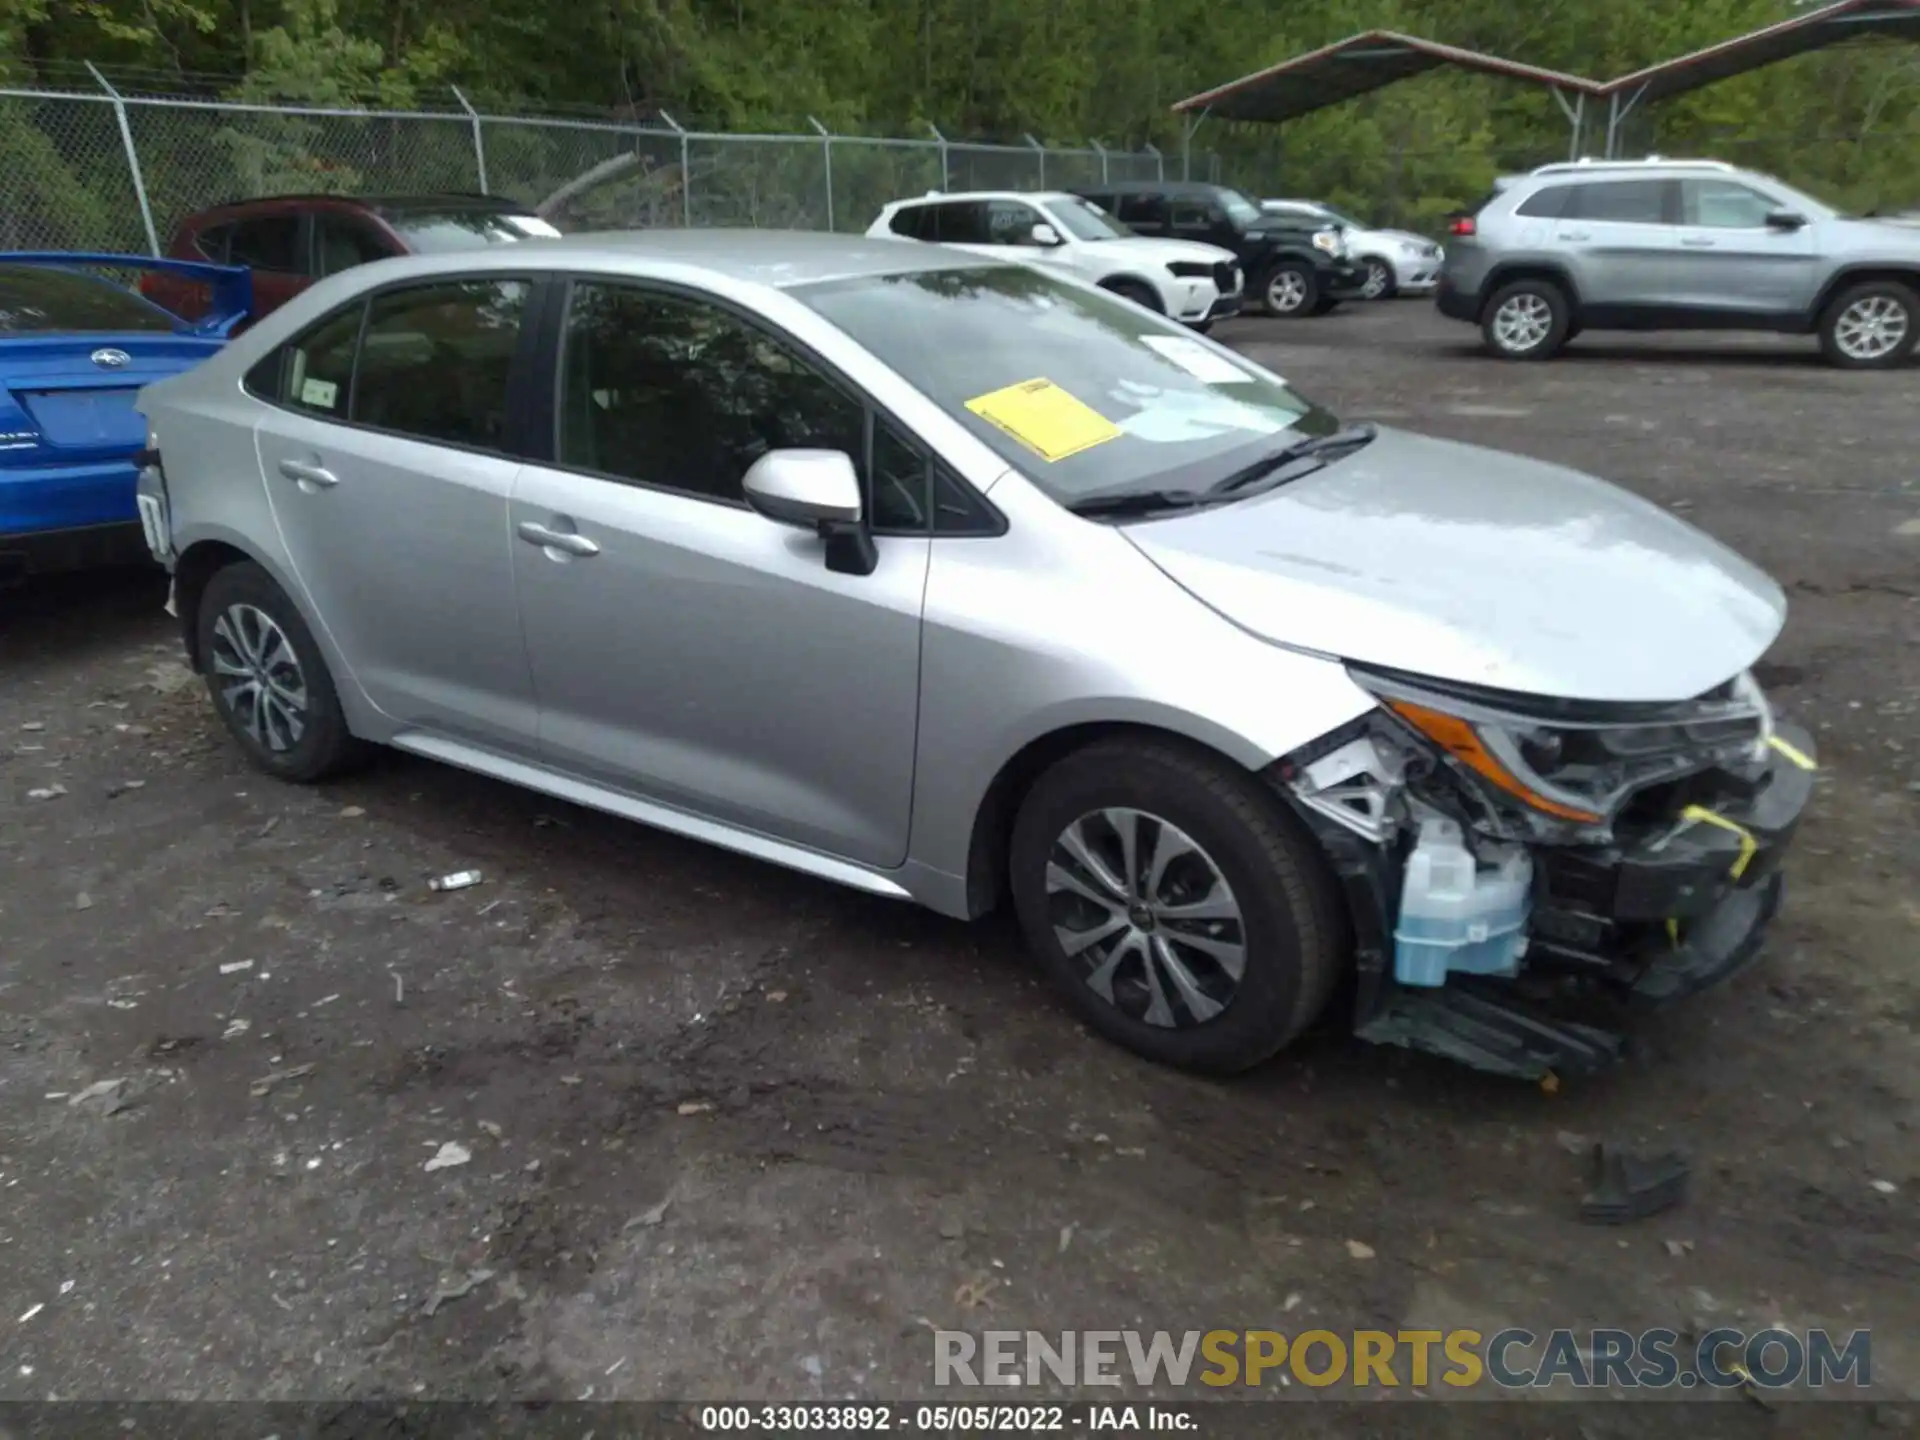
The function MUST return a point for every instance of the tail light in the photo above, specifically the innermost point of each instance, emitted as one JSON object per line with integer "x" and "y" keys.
{"x": 1462, "y": 225}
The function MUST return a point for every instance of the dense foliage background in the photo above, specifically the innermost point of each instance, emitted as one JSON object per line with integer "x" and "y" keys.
{"x": 1845, "y": 124}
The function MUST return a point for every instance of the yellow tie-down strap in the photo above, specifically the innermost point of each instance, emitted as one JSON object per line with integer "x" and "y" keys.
{"x": 1792, "y": 752}
{"x": 1749, "y": 847}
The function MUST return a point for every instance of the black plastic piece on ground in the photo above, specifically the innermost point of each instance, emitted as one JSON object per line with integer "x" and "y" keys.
{"x": 1628, "y": 1186}
{"x": 1502, "y": 1038}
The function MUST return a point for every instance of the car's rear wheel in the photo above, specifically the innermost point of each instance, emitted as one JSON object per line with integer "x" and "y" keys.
{"x": 1527, "y": 320}
{"x": 1379, "y": 283}
{"x": 267, "y": 678}
{"x": 1871, "y": 326}
{"x": 1176, "y": 902}
{"x": 1291, "y": 291}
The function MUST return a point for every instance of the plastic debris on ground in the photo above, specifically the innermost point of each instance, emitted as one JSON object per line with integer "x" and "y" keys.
{"x": 458, "y": 880}
{"x": 1629, "y": 1186}
{"x": 450, "y": 1153}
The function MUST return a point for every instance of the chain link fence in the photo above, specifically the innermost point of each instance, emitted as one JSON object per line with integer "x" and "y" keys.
{"x": 116, "y": 172}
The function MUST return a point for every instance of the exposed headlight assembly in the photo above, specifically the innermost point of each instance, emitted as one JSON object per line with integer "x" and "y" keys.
{"x": 1329, "y": 241}
{"x": 1576, "y": 762}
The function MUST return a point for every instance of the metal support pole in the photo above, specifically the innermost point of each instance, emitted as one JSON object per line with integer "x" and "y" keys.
{"x": 686, "y": 171}
{"x": 826, "y": 147}
{"x": 479, "y": 141}
{"x": 1186, "y": 144}
{"x": 1101, "y": 151}
{"x": 133, "y": 159}
{"x": 1617, "y": 114}
{"x": 1575, "y": 113}
{"x": 1159, "y": 160}
{"x": 946, "y": 178}
{"x": 1040, "y": 151}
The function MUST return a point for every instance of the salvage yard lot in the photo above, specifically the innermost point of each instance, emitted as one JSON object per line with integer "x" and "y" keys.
{"x": 733, "y": 1132}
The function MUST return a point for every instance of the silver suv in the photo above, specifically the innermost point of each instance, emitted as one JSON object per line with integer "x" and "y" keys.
{"x": 1679, "y": 245}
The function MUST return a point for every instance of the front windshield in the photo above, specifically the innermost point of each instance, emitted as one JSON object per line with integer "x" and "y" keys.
{"x": 430, "y": 232}
{"x": 1084, "y": 220}
{"x": 1239, "y": 207}
{"x": 1077, "y": 389}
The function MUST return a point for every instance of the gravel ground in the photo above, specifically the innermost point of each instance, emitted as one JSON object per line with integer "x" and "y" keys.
{"x": 735, "y": 1133}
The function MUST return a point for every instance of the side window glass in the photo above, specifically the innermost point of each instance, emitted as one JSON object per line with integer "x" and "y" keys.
{"x": 957, "y": 510}
{"x": 1010, "y": 223}
{"x": 897, "y": 494}
{"x": 341, "y": 244}
{"x": 272, "y": 243}
{"x": 962, "y": 223}
{"x": 1627, "y": 202}
{"x": 1545, "y": 204}
{"x": 682, "y": 394}
{"x": 912, "y": 222}
{"x": 435, "y": 361}
{"x": 313, "y": 371}
{"x": 1191, "y": 215}
{"x": 212, "y": 243}
{"x": 1143, "y": 210}
{"x": 1722, "y": 205}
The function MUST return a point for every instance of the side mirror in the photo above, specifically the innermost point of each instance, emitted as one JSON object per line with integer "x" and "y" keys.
{"x": 815, "y": 490}
{"x": 1045, "y": 234}
{"x": 1785, "y": 220}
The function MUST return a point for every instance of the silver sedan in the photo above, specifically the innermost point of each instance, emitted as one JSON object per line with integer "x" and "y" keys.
{"x": 955, "y": 581}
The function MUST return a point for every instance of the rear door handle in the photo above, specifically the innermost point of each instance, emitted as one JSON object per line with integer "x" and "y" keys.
{"x": 566, "y": 541}
{"x": 1573, "y": 235}
{"x": 306, "y": 474}
{"x": 1698, "y": 242}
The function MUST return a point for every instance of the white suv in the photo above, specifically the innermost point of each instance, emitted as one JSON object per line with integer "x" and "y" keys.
{"x": 1193, "y": 283}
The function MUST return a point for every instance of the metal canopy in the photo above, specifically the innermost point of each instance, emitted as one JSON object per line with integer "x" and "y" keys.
{"x": 1815, "y": 30}
{"x": 1356, "y": 66}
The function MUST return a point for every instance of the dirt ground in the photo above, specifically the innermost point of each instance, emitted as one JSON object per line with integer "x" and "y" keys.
{"x": 736, "y": 1133}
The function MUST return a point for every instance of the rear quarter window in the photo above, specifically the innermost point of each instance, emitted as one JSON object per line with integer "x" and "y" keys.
{"x": 1545, "y": 204}
{"x": 915, "y": 222}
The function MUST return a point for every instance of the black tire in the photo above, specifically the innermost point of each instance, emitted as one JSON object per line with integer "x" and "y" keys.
{"x": 1292, "y": 933}
{"x": 1559, "y": 319}
{"x": 1326, "y": 305}
{"x": 323, "y": 745}
{"x": 1906, "y": 307}
{"x": 1381, "y": 284}
{"x": 1294, "y": 304}
{"x": 1137, "y": 291}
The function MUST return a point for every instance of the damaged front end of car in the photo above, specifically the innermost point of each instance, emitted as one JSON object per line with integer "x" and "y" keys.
{"x": 1523, "y": 873}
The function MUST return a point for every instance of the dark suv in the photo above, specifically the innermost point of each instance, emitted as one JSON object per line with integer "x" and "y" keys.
{"x": 1293, "y": 266}
{"x": 289, "y": 241}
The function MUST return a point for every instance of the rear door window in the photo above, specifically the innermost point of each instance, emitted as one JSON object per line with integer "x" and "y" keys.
{"x": 269, "y": 243}
{"x": 962, "y": 222}
{"x": 1146, "y": 210}
{"x": 435, "y": 361}
{"x": 313, "y": 372}
{"x": 1545, "y": 204}
{"x": 341, "y": 242}
{"x": 1624, "y": 202}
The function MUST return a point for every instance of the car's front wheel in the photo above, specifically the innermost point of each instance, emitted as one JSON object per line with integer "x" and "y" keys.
{"x": 1870, "y": 326}
{"x": 267, "y": 678}
{"x": 1292, "y": 290}
{"x": 1379, "y": 283}
{"x": 1527, "y": 320}
{"x": 1176, "y": 902}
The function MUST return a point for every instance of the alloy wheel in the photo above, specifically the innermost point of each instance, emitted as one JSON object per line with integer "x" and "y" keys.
{"x": 1286, "y": 292}
{"x": 1147, "y": 916}
{"x": 1377, "y": 280}
{"x": 259, "y": 676}
{"x": 1522, "y": 323}
{"x": 1871, "y": 328}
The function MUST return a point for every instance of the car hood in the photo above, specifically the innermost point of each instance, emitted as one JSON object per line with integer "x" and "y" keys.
{"x": 1163, "y": 251}
{"x": 1480, "y": 567}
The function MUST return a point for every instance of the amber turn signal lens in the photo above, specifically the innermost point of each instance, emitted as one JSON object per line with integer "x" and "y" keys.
{"x": 1459, "y": 740}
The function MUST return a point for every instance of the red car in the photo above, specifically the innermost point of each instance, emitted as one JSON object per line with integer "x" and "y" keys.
{"x": 289, "y": 241}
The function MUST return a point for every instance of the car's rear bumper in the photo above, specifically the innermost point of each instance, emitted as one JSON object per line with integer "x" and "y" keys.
{"x": 87, "y": 547}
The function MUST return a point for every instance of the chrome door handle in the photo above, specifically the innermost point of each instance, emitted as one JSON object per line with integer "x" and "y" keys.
{"x": 1573, "y": 235}
{"x": 1697, "y": 242}
{"x": 309, "y": 474}
{"x": 566, "y": 541}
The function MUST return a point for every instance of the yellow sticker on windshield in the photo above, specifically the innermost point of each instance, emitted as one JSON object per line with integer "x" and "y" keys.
{"x": 1045, "y": 418}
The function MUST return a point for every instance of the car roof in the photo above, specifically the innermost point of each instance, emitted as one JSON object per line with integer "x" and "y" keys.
{"x": 1154, "y": 187}
{"x": 774, "y": 258}
{"x": 936, "y": 197}
{"x": 377, "y": 204}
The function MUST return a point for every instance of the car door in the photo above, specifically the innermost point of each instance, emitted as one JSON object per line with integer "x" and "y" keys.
{"x": 684, "y": 648}
{"x": 1621, "y": 238}
{"x": 1732, "y": 261}
{"x": 1203, "y": 221}
{"x": 388, "y": 457}
{"x": 1144, "y": 213}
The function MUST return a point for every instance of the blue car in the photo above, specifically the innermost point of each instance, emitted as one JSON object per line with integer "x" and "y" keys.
{"x": 74, "y": 351}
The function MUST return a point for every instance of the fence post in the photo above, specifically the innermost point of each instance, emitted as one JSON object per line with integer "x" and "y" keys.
{"x": 686, "y": 172}
{"x": 946, "y": 179}
{"x": 479, "y": 142}
{"x": 1040, "y": 151}
{"x": 1159, "y": 160}
{"x": 1101, "y": 151}
{"x": 826, "y": 148}
{"x": 133, "y": 159}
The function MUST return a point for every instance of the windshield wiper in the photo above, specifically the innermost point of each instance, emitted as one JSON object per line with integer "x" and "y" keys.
{"x": 1349, "y": 437}
{"x": 1137, "y": 502}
